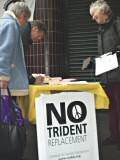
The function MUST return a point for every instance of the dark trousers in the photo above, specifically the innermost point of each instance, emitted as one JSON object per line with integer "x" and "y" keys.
{"x": 113, "y": 92}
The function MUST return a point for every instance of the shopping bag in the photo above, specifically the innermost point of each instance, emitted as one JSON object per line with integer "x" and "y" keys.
{"x": 12, "y": 129}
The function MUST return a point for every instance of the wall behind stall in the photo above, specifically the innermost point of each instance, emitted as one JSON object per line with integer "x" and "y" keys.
{"x": 35, "y": 55}
{"x": 80, "y": 38}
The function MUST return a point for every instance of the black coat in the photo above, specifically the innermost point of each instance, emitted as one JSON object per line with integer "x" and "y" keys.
{"x": 109, "y": 40}
{"x": 27, "y": 42}
{"x": 26, "y": 37}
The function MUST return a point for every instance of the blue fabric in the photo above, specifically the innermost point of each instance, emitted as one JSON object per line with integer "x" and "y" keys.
{"x": 11, "y": 52}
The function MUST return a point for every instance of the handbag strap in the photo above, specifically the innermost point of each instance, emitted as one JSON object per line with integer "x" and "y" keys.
{"x": 12, "y": 106}
{"x": 13, "y": 98}
{"x": 16, "y": 111}
{"x": 9, "y": 94}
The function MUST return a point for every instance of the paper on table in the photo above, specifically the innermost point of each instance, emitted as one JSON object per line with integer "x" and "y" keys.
{"x": 75, "y": 82}
{"x": 37, "y": 74}
{"x": 105, "y": 63}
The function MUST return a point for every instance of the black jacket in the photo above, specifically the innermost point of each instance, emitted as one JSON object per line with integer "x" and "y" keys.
{"x": 26, "y": 37}
{"x": 27, "y": 41}
{"x": 109, "y": 40}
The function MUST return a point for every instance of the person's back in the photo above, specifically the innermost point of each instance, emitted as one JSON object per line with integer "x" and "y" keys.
{"x": 12, "y": 65}
{"x": 109, "y": 41}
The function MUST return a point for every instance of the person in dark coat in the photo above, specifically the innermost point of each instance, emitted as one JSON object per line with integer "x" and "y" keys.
{"x": 109, "y": 41}
{"x": 32, "y": 32}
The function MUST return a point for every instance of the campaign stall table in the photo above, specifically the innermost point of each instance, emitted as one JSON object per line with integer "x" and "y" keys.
{"x": 101, "y": 99}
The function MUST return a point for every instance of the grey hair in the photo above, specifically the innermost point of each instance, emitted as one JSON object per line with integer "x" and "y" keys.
{"x": 20, "y": 7}
{"x": 40, "y": 25}
{"x": 100, "y": 6}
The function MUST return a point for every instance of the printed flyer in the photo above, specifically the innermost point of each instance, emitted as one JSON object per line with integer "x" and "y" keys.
{"x": 66, "y": 126}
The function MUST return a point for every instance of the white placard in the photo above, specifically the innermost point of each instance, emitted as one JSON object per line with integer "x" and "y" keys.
{"x": 31, "y": 5}
{"x": 66, "y": 126}
{"x": 105, "y": 63}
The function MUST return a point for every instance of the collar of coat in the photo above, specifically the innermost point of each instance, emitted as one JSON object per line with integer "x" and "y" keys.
{"x": 106, "y": 25}
{"x": 12, "y": 15}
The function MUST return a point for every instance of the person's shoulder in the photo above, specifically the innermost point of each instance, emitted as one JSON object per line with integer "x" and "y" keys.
{"x": 7, "y": 20}
{"x": 10, "y": 25}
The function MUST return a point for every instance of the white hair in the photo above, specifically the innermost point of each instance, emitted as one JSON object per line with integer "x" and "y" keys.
{"x": 20, "y": 7}
{"x": 100, "y": 6}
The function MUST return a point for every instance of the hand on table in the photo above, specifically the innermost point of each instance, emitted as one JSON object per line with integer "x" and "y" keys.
{"x": 39, "y": 79}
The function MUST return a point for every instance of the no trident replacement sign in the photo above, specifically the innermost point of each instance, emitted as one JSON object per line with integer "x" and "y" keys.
{"x": 66, "y": 126}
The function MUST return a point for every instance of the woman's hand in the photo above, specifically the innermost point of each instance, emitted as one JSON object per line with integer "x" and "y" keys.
{"x": 3, "y": 84}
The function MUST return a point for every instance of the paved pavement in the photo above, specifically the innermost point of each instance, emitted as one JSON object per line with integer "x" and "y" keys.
{"x": 107, "y": 152}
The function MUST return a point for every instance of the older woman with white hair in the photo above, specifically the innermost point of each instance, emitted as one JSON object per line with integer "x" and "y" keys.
{"x": 109, "y": 41}
{"x": 12, "y": 63}
{"x": 13, "y": 72}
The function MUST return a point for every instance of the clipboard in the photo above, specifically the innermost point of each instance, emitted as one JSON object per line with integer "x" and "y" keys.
{"x": 106, "y": 63}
